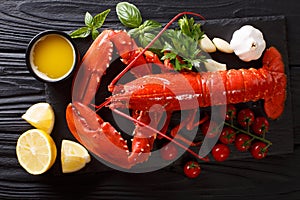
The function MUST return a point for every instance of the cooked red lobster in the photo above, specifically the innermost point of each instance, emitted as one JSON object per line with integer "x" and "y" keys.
{"x": 169, "y": 90}
{"x": 233, "y": 86}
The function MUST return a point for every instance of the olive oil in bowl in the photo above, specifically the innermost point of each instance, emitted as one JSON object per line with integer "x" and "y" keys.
{"x": 51, "y": 56}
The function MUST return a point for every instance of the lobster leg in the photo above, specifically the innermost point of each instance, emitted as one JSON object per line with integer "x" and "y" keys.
{"x": 142, "y": 142}
{"x": 166, "y": 124}
{"x": 189, "y": 123}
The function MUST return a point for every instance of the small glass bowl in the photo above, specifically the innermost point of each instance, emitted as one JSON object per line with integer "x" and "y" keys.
{"x": 30, "y": 55}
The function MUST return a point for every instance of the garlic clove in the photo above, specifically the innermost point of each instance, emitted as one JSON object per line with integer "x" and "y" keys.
{"x": 207, "y": 45}
{"x": 222, "y": 45}
{"x": 212, "y": 65}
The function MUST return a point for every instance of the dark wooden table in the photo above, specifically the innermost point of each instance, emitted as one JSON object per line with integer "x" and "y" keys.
{"x": 275, "y": 177}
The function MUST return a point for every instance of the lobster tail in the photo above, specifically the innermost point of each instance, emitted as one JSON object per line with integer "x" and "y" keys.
{"x": 272, "y": 61}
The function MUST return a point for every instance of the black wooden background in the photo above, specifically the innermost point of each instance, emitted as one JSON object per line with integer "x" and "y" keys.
{"x": 275, "y": 177}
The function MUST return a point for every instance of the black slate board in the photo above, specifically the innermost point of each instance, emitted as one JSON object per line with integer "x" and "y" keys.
{"x": 281, "y": 131}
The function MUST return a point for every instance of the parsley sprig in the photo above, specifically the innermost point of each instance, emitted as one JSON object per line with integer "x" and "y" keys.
{"x": 189, "y": 28}
{"x": 185, "y": 47}
{"x": 185, "y": 44}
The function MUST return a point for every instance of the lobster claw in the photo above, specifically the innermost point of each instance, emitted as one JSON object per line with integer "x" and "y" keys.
{"x": 92, "y": 68}
{"x": 87, "y": 127}
{"x": 98, "y": 136}
{"x": 128, "y": 51}
{"x": 98, "y": 57}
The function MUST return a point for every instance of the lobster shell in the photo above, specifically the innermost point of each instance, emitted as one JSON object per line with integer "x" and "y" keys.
{"x": 190, "y": 90}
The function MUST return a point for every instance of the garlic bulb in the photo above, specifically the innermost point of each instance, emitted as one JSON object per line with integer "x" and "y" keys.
{"x": 248, "y": 43}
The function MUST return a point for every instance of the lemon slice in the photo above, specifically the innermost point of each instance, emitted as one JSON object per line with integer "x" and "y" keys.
{"x": 73, "y": 156}
{"x": 72, "y": 163}
{"x": 41, "y": 116}
{"x": 36, "y": 151}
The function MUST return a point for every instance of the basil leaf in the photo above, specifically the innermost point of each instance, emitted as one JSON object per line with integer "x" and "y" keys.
{"x": 145, "y": 39}
{"x": 152, "y": 28}
{"x": 142, "y": 41}
{"x": 81, "y": 32}
{"x": 100, "y": 18}
{"x": 95, "y": 33}
{"x": 148, "y": 37}
{"x": 134, "y": 33}
{"x": 146, "y": 32}
{"x": 92, "y": 24}
{"x": 88, "y": 19}
{"x": 152, "y": 23}
{"x": 129, "y": 15}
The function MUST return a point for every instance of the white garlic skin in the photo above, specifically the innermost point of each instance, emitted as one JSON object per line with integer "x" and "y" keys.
{"x": 248, "y": 43}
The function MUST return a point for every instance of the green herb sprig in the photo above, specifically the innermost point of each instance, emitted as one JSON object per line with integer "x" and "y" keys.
{"x": 185, "y": 47}
{"x": 146, "y": 32}
{"x": 190, "y": 28}
{"x": 130, "y": 16}
{"x": 181, "y": 46}
{"x": 184, "y": 43}
{"x": 92, "y": 24}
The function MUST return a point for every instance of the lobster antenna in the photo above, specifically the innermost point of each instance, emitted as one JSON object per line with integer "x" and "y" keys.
{"x": 105, "y": 103}
{"x": 112, "y": 84}
{"x": 161, "y": 134}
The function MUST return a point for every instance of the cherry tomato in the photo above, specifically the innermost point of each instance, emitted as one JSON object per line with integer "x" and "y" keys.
{"x": 258, "y": 150}
{"x": 227, "y": 135}
{"x": 260, "y": 125}
{"x": 242, "y": 142}
{"x": 210, "y": 129}
{"x": 245, "y": 117}
{"x": 230, "y": 112}
{"x": 220, "y": 152}
{"x": 169, "y": 152}
{"x": 192, "y": 169}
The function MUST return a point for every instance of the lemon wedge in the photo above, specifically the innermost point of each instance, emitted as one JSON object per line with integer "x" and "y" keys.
{"x": 36, "y": 151}
{"x": 41, "y": 116}
{"x": 73, "y": 156}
